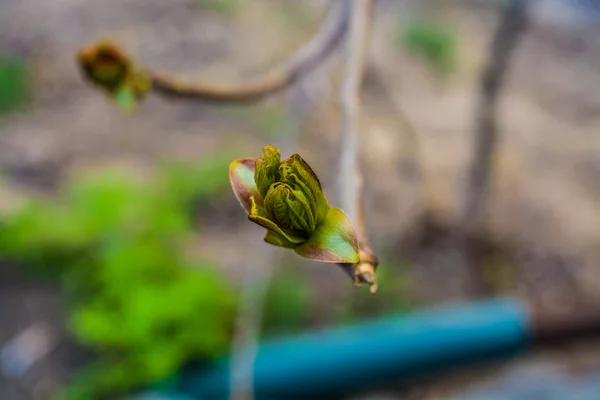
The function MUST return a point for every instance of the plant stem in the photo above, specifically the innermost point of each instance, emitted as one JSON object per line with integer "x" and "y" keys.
{"x": 350, "y": 178}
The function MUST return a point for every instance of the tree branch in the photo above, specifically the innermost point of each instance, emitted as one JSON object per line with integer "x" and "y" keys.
{"x": 303, "y": 61}
{"x": 350, "y": 178}
{"x": 506, "y": 39}
{"x": 253, "y": 296}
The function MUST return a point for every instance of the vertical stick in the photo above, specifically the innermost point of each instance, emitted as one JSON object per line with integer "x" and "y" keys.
{"x": 472, "y": 219}
{"x": 350, "y": 178}
{"x": 506, "y": 39}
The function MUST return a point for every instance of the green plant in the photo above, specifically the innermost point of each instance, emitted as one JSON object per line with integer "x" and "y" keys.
{"x": 14, "y": 83}
{"x": 434, "y": 43}
{"x": 115, "y": 244}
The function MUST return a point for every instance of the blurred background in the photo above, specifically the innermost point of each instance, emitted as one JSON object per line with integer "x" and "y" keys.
{"x": 124, "y": 253}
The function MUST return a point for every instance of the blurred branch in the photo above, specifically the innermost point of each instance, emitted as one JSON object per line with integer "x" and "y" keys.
{"x": 249, "y": 319}
{"x": 505, "y": 41}
{"x": 554, "y": 327}
{"x": 506, "y": 38}
{"x": 296, "y": 67}
{"x": 350, "y": 178}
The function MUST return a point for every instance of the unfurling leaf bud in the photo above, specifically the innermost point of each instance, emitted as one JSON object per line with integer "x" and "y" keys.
{"x": 267, "y": 169}
{"x": 287, "y": 199}
{"x": 290, "y": 209}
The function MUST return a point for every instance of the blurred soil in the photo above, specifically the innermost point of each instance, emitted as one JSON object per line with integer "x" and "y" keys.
{"x": 542, "y": 238}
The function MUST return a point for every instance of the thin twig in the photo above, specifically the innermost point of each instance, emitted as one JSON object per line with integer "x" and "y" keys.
{"x": 506, "y": 39}
{"x": 254, "y": 292}
{"x": 299, "y": 65}
{"x": 350, "y": 178}
{"x": 253, "y": 297}
{"x": 473, "y": 212}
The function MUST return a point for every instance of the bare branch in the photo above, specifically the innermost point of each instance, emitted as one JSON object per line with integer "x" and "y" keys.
{"x": 350, "y": 178}
{"x": 506, "y": 39}
{"x": 253, "y": 296}
{"x": 308, "y": 57}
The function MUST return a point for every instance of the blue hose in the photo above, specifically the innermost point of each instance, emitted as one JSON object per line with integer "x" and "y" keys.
{"x": 355, "y": 358}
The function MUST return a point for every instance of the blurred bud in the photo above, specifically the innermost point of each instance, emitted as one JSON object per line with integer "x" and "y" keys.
{"x": 108, "y": 68}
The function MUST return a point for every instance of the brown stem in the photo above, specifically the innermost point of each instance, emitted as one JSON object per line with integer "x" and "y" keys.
{"x": 350, "y": 178}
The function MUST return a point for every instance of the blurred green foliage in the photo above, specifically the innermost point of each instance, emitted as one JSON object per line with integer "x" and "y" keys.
{"x": 133, "y": 298}
{"x": 430, "y": 41}
{"x": 14, "y": 83}
{"x": 114, "y": 242}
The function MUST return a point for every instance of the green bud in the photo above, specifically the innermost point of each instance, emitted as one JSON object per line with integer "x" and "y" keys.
{"x": 290, "y": 209}
{"x": 275, "y": 234}
{"x": 267, "y": 169}
{"x": 107, "y": 67}
{"x": 287, "y": 199}
{"x": 298, "y": 174}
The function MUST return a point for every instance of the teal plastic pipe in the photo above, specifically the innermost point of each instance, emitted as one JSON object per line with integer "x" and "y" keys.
{"x": 346, "y": 360}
